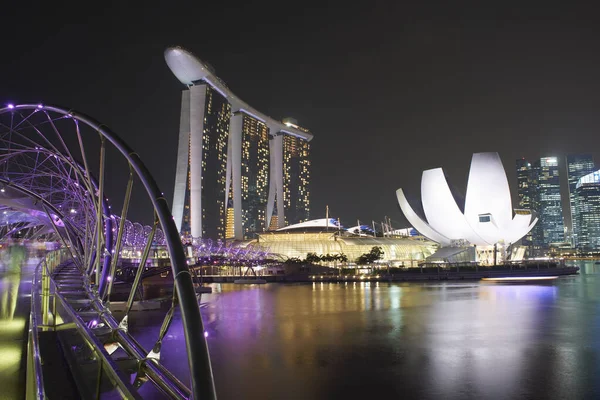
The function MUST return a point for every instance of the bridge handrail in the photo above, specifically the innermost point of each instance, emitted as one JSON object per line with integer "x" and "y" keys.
{"x": 156, "y": 372}
{"x": 108, "y": 364}
{"x": 45, "y": 267}
{"x": 34, "y": 359}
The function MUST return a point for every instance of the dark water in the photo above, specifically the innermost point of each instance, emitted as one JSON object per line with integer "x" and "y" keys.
{"x": 411, "y": 341}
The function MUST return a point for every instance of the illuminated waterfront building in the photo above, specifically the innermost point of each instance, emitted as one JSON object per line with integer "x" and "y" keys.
{"x": 524, "y": 190}
{"x": 486, "y": 218}
{"x": 325, "y": 236}
{"x": 229, "y": 226}
{"x": 274, "y": 223}
{"x": 255, "y": 175}
{"x": 587, "y": 211}
{"x": 546, "y": 200}
{"x": 207, "y": 137}
{"x": 523, "y": 180}
{"x": 236, "y": 167}
{"x": 578, "y": 165}
{"x": 478, "y": 229}
{"x": 296, "y": 174}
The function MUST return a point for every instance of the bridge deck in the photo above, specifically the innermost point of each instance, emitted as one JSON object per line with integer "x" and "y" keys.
{"x": 15, "y": 303}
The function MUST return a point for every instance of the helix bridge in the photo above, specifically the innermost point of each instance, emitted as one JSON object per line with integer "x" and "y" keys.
{"x": 232, "y": 254}
{"x": 60, "y": 173}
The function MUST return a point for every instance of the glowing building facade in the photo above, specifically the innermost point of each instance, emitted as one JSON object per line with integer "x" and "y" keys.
{"x": 486, "y": 219}
{"x": 296, "y": 174}
{"x": 578, "y": 165}
{"x": 238, "y": 170}
{"x": 255, "y": 175}
{"x": 524, "y": 192}
{"x": 523, "y": 181}
{"x": 326, "y": 236}
{"x": 587, "y": 211}
{"x": 200, "y": 180}
{"x": 546, "y": 200}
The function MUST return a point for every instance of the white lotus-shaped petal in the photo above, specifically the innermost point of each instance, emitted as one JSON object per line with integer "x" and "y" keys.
{"x": 488, "y": 215}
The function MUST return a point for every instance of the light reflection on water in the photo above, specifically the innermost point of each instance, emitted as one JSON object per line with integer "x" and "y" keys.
{"x": 413, "y": 340}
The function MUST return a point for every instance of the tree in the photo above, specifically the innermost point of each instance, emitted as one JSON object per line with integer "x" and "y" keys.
{"x": 329, "y": 258}
{"x": 312, "y": 258}
{"x": 376, "y": 253}
{"x": 294, "y": 260}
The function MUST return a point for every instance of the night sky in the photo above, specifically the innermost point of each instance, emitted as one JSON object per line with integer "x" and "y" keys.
{"x": 387, "y": 89}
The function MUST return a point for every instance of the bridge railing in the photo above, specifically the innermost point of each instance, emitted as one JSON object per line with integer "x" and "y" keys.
{"x": 35, "y": 376}
{"x": 52, "y": 315}
{"x": 51, "y": 312}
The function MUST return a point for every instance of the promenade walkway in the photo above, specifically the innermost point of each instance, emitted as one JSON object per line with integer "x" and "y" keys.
{"x": 16, "y": 273}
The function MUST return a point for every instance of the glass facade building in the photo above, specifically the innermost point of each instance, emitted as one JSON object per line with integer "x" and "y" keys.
{"x": 546, "y": 200}
{"x": 524, "y": 191}
{"x": 523, "y": 181}
{"x": 296, "y": 177}
{"x": 578, "y": 165}
{"x": 254, "y": 175}
{"x": 215, "y": 131}
{"x": 587, "y": 211}
{"x": 214, "y": 163}
{"x": 229, "y": 225}
{"x": 186, "y": 224}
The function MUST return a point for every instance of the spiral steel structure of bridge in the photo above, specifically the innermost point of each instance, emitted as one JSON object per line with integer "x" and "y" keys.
{"x": 54, "y": 166}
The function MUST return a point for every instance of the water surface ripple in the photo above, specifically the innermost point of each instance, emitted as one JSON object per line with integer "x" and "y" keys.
{"x": 467, "y": 340}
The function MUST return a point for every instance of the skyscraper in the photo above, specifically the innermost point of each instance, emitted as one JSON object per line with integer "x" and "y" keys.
{"x": 236, "y": 167}
{"x": 546, "y": 200}
{"x": 255, "y": 175}
{"x": 523, "y": 180}
{"x": 200, "y": 180}
{"x": 578, "y": 165}
{"x": 587, "y": 211}
{"x": 524, "y": 190}
{"x": 296, "y": 167}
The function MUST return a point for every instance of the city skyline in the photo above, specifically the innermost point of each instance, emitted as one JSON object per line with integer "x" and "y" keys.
{"x": 389, "y": 92}
{"x": 263, "y": 200}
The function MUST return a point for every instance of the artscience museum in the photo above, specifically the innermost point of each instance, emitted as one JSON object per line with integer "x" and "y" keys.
{"x": 485, "y": 220}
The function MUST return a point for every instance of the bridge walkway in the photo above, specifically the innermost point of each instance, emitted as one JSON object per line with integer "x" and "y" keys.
{"x": 15, "y": 305}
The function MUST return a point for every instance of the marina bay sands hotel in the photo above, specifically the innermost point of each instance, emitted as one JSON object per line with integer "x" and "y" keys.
{"x": 239, "y": 171}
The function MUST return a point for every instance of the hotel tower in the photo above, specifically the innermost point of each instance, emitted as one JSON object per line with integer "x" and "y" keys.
{"x": 239, "y": 171}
